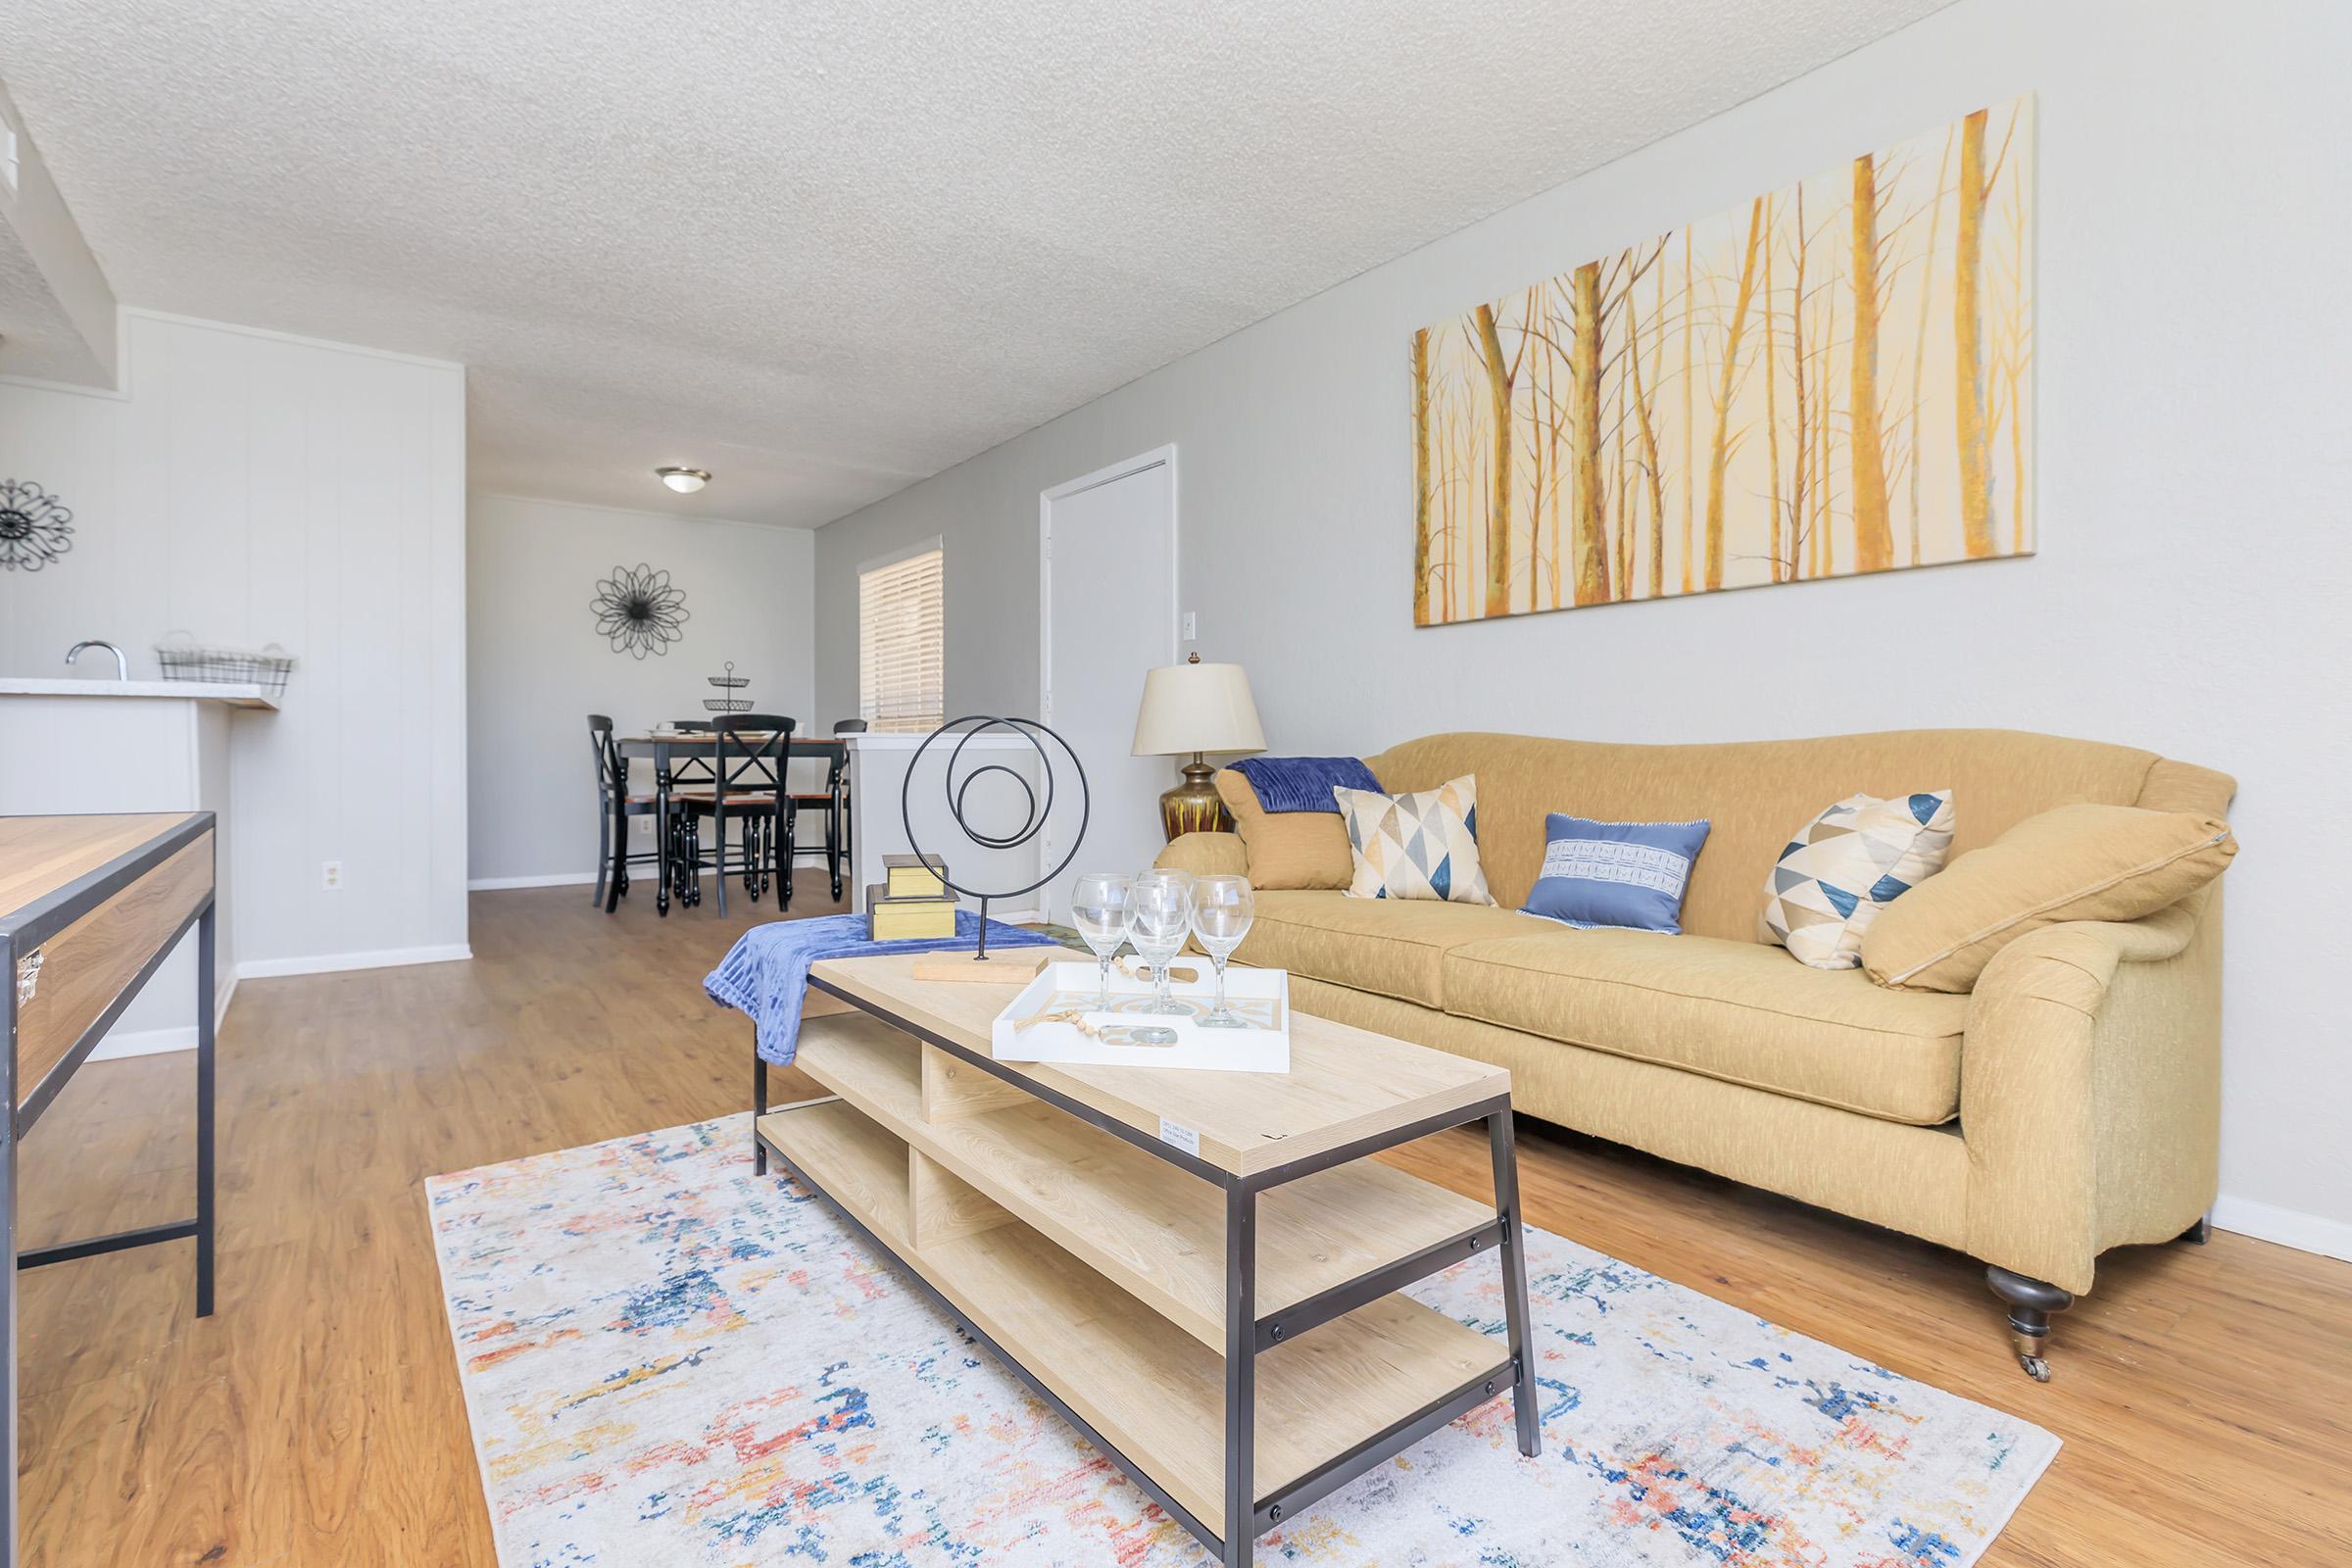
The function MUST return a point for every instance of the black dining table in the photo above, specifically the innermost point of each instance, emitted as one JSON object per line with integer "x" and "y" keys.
{"x": 668, "y": 747}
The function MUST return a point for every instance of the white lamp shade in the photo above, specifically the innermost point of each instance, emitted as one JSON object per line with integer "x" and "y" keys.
{"x": 1196, "y": 708}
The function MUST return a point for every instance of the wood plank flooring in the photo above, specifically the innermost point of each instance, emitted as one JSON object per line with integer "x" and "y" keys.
{"x": 2205, "y": 1394}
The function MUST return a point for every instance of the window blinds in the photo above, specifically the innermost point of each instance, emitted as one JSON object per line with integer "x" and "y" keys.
{"x": 900, "y": 637}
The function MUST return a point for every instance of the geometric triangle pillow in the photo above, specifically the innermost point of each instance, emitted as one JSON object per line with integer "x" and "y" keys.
{"x": 1845, "y": 865}
{"x": 1418, "y": 845}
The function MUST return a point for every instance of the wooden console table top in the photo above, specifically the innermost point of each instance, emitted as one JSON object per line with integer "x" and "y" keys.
{"x": 39, "y": 855}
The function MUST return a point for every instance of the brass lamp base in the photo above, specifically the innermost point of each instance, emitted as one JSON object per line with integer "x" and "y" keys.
{"x": 1192, "y": 807}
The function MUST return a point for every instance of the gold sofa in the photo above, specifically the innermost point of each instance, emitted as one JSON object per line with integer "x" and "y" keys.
{"x": 2066, "y": 1106}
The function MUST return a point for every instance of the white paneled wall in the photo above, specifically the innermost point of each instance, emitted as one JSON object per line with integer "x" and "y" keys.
{"x": 248, "y": 488}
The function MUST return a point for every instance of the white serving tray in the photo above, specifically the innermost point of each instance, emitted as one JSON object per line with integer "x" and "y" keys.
{"x": 1261, "y": 993}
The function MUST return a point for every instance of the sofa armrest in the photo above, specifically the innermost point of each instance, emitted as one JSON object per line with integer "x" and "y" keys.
{"x": 2090, "y": 1089}
{"x": 1205, "y": 855}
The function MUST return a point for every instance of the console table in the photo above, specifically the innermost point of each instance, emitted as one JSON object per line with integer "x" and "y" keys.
{"x": 1202, "y": 1271}
{"x": 89, "y": 907}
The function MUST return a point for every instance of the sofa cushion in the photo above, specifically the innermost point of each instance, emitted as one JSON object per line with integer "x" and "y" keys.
{"x": 1389, "y": 947}
{"x": 1737, "y": 1011}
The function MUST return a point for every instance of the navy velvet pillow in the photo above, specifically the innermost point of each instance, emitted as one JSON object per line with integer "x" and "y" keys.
{"x": 1303, "y": 783}
{"x": 1630, "y": 874}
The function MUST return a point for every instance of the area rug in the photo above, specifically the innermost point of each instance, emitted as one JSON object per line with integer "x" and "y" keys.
{"x": 669, "y": 1361}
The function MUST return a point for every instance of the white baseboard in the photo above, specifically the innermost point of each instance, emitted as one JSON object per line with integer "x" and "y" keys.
{"x": 120, "y": 1044}
{"x": 582, "y": 879}
{"x": 560, "y": 879}
{"x": 2308, "y": 1233}
{"x": 335, "y": 962}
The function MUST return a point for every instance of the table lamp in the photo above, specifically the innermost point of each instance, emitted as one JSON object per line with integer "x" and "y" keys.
{"x": 1196, "y": 707}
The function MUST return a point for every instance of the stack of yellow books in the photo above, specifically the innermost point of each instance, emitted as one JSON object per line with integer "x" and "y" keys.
{"x": 909, "y": 904}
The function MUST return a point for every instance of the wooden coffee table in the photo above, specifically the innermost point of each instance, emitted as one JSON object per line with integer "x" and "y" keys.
{"x": 1201, "y": 1271}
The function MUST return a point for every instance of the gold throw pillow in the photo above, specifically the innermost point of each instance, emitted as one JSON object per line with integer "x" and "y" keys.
{"x": 1287, "y": 849}
{"x": 2075, "y": 863}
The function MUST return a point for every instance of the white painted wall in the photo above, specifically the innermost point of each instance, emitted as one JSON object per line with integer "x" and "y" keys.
{"x": 250, "y": 488}
{"x": 2194, "y": 460}
{"x": 537, "y": 667}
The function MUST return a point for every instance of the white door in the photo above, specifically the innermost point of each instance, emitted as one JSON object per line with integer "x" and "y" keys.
{"x": 1107, "y": 559}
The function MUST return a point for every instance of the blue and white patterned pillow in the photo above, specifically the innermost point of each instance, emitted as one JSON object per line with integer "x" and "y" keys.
{"x": 1418, "y": 845}
{"x": 1849, "y": 864}
{"x": 1629, "y": 874}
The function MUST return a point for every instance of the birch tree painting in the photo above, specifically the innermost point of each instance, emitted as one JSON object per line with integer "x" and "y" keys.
{"x": 1831, "y": 380}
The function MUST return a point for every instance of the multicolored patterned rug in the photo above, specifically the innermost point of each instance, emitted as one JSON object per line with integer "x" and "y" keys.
{"x": 668, "y": 1360}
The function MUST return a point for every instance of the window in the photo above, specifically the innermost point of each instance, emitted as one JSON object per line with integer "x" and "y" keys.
{"x": 900, "y": 633}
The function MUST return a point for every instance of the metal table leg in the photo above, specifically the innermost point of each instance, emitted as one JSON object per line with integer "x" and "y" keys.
{"x": 1524, "y": 1403}
{"x": 1241, "y": 1374}
{"x": 204, "y": 1109}
{"x": 8, "y": 1265}
{"x": 758, "y": 1106}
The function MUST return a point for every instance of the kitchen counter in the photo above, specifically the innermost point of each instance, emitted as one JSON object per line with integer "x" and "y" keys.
{"x": 198, "y": 690}
{"x": 73, "y": 746}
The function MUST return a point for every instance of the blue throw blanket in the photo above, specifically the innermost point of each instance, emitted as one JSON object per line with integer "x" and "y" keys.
{"x": 1303, "y": 783}
{"x": 766, "y": 974}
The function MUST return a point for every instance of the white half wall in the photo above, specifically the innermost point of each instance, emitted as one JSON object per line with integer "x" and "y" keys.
{"x": 538, "y": 667}
{"x": 2193, "y": 463}
{"x": 248, "y": 488}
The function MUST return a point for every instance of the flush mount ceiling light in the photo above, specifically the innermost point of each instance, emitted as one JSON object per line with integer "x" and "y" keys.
{"x": 685, "y": 481}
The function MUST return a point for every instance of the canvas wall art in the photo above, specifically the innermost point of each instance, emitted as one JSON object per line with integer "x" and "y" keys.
{"x": 1833, "y": 378}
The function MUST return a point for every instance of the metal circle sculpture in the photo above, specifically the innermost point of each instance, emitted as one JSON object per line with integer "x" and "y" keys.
{"x": 957, "y": 784}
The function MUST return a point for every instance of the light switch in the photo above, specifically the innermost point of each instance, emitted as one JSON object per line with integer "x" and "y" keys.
{"x": 1191, "y": 626}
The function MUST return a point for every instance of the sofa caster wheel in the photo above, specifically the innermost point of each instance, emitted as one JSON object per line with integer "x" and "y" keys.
{"x": 2031, "y": 1302}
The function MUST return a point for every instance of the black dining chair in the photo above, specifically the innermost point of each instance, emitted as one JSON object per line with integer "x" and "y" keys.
{"x": 832, "y": 801}
{"x": 747, "y": 787}
{"x": 616, "y": 804}
{"x": 688, "y": 766}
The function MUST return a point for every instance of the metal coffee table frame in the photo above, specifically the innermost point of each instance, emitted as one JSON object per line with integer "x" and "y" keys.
{"x": 1248, "y": 1335}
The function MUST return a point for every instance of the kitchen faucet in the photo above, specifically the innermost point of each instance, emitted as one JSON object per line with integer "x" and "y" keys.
{"x": 121, "y": 665}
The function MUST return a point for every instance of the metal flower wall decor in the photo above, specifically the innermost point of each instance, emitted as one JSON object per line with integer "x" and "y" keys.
{"x": 638, "y": 610}
{"x": 36, "y": 528}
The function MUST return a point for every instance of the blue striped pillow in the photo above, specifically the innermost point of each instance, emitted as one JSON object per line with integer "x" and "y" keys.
{"x": 1627, "y": 874}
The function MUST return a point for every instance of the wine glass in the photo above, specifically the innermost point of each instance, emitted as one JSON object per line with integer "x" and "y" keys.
{"x": 1160, "y": 911}
{"x": 1222, "y": 910}
{"x": 1099, "y": 908}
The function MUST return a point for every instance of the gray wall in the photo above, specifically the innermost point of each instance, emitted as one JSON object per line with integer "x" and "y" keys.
{"x": 2192, "y": 470}
{"x": 536, "y": 668}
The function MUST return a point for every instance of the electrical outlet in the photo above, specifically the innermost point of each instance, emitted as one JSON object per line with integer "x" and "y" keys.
{"x": 1191, "y": 626}
{"x": 330, "y": 875}
{"x": 641, "y": 826}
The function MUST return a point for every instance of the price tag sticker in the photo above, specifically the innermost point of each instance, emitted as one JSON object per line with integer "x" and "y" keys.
{"x": 1177, "y": 1134}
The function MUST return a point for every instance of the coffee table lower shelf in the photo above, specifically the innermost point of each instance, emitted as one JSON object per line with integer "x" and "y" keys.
{"x": 1328, "y": 1404}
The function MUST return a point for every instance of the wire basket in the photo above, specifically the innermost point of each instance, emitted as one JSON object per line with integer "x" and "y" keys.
{"x": 731, "y": 682}
{"x": 267, "y": 669}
